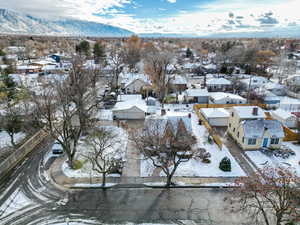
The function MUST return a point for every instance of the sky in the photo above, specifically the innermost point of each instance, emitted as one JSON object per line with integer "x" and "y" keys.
{"x": 199, "y": 17}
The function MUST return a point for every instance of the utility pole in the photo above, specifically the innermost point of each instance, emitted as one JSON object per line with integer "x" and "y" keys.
{"x": 248, "y": 95}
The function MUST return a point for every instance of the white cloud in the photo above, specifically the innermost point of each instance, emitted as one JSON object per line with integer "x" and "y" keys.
{"x": 209, "y": 18}
{"x": 63, "y": 8}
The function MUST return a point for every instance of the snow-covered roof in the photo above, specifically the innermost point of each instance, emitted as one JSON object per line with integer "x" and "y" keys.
{"x": 48, "y": 61}
{"x": 282, "y": 114}
{"x": 177, "y": 79}
{"x": 214, "y": 113}
{"x": 218, "y": 81}
{"x": 127, "y": 102}
{"x": 126, "y": 105}
{"x": 128, "y": 78}
{"x": 210, "y": 66}
{"x": 196, "y": 92}
{"x": 255, "y": 80}
{"x": 246, "y": 112}
{"x": 171, "y": 118}
{"x": 129, "y": 97}
{"x": 272, "y": 85}
{"x": 3, "y": 66}
{"x": 222, "y": 95}
{"x": 257, "y": 128}
{"x": 27, "y": 67}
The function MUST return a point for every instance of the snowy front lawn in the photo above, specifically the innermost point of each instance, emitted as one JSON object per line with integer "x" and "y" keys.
{"x": 5, "y": 139}
{"x": 86, "y": 170}
{"x": 261, "y": 160}
{"x": 196, "y": 168}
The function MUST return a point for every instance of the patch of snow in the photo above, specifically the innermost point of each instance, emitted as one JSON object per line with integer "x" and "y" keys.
{"x": 196, "y": 168}
{"x": 86, "y": 170}
{"x": 87, "y": 185}
{"x": 5, "y": 139}
{"x": 14, "y": 203}
{"x": 261, "y": 160}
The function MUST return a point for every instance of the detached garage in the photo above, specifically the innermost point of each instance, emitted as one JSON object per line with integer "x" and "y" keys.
{"x": 130, "y": 107}
{"x": 129, "y": 113}
{"x": 217, "y": 117}
{"x": 286, "y": 118}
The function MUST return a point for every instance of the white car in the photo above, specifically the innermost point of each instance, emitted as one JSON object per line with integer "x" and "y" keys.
{"x": 57, "y": 149}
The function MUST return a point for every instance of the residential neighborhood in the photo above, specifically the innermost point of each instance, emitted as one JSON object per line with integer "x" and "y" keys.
{"x": 112, "y": 121}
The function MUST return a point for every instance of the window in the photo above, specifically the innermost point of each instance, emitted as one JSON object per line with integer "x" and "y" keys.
{"x": 238, "y": 134}
{"x": 243, "y": 139}
{"x": 232, "y": 114}
{"x": 251, "y": 141}
{"x": 229, "y": 124}
{"x": 274, "y": 141}
{"x": 233, "y": 129}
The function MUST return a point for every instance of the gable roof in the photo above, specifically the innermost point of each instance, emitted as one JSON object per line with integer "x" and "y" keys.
{"x": 282, "y": 114}
{"x": 196, "y": 92}
{"x": 173, "y": 120}
{"x": 257, "y": 128}
{"x": 222, "y": 95}
{"x": 218, "y": 81}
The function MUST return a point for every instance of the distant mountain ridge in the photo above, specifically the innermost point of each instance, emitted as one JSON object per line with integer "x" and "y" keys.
{"x": 12, "y": 22}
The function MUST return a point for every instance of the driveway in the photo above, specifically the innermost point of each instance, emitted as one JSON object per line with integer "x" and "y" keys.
{"x": 132, "y": 165}
{"x": 236, "y": 151}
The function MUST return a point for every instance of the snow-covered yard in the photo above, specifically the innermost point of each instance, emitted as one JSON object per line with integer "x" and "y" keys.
{"x": 5, "y": 139}
{"x": 14, "y": 203}
{"x": 196, "y": 168}
{"x": 261, "y": 160}
{"x": 86, "y": 170}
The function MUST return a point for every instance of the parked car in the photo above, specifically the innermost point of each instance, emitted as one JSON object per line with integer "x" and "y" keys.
{"x": 57, "y": 149}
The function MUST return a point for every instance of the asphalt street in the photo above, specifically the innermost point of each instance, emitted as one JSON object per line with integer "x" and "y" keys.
{"x": 52, "y": 205}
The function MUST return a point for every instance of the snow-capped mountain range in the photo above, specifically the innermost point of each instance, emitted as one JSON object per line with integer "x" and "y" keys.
{"x": 12, "y": 22}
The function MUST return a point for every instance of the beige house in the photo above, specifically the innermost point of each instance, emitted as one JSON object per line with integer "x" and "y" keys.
{"x": 249, "y": 128}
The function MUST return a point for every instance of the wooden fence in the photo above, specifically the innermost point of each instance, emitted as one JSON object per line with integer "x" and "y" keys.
{"x": 199, "y": 106}
{"x": 212, "y": 133}
{"x": 289, "y": 135}
{"x": 19, "y": 154}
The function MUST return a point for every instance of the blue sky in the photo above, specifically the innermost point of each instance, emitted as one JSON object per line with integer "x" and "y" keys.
{"x": 200, "y": 17}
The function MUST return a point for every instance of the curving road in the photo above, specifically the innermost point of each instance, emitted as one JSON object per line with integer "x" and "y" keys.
{"x": 47, "y": 204}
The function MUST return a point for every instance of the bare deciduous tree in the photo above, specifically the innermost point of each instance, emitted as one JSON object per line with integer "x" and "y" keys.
{"x": 81, "y": 87}
{"x": 105, "y": 153}
{"x": 116, "y": 60}
{"x": 58, "y": 117}
{"x": 156, "y": 67}
{"x": 163, "y": 148}
{"x": 268, "y": 196}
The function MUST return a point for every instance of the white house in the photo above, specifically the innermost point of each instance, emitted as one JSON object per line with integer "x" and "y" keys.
{"x": 286, "y": 118}
{"x": 226, "y": 98}
{"x": 216, "y": 116}
{"x": 133, "y": 83}
{"x": 254, "y": 82}
{"x": 275, "y": 88}
{"x": 218, "y": 84}
{"x": 196, "y": 95}
{"x": 132, "y": 107}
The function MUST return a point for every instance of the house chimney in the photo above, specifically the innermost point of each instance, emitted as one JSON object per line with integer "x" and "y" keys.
{"x": 255, "y": 111}
{"x": 163, "y": 112}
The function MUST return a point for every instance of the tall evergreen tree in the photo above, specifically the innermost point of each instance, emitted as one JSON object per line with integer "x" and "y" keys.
{"x": 99, "y": 52}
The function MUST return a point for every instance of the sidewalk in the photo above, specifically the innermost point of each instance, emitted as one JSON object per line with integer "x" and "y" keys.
{"x": 60, "y": 179}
